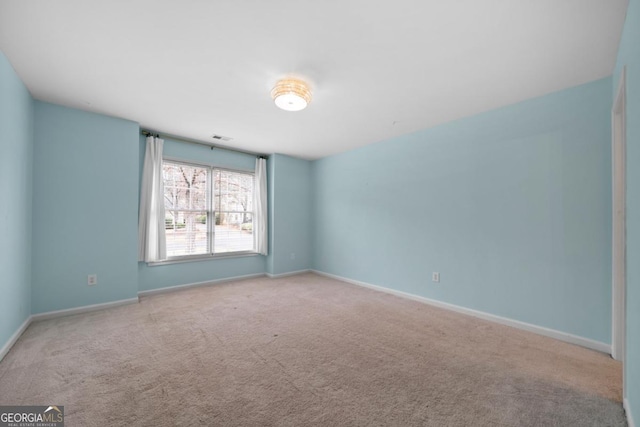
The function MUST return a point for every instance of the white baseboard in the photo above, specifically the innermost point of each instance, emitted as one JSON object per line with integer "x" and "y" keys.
{"x": 290, "y": 273}
{"x": 562, "y": 336}
{"x": 627, "y": 410}
{"x": 16, "y": 335}
{"x": 83, "y": 309}
{"x": 197, "y": 284}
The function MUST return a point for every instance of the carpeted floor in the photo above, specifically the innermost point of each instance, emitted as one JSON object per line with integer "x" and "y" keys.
{"x": 304, "y": 350}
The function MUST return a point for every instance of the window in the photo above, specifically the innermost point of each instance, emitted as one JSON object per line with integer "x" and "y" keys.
{"x": 208, "y": 210}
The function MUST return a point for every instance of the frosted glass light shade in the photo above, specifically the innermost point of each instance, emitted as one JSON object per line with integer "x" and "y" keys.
{"x": 291, "y": 94}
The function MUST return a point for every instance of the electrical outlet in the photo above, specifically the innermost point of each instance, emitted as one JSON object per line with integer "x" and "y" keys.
{"x": 92, "y": 279}
{"x": 435, "y": 277}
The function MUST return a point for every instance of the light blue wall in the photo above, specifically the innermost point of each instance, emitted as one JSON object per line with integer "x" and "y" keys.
{"x": 162, "y": 276}
{"x": 203, "y": 154}
{"x": 16, "y": 165}
{"x": 290, "y": 214}
{"x": 629, "y": 55}
{"x": 85, "y": 208}
{"x": 512, "y": 207}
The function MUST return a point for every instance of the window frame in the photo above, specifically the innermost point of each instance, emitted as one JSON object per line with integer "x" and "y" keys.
{"x": 211, "y": 214}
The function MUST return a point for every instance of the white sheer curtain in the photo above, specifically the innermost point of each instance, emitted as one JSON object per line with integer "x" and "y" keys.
{"x": 260, "y": 232}
{"x": 152, "y": 245}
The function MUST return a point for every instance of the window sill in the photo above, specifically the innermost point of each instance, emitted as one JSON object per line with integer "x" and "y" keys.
{"x": 197, "y": 258}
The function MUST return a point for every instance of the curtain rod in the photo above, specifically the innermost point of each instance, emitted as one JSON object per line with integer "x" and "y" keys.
{"x": 206, "y": 144}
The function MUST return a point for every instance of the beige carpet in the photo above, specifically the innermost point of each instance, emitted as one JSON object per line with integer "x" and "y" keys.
{"x": 304, "y": 350}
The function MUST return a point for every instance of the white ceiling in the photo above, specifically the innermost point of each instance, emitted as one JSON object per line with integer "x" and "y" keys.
{"x": 378, "y": 69}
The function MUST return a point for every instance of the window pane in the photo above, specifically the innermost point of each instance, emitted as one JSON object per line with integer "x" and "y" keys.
{"x": 186, "y": 233}
{"x": 234, "y": 232}
{"x": 233, "y": 191}
{"x": 216, "y": 189}
{"x": 187, "y": 190}
{"x": 185, "y": 187}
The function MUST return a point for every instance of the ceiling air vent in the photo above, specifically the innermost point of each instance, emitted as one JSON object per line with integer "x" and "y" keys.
{"x": 221, "y": 138}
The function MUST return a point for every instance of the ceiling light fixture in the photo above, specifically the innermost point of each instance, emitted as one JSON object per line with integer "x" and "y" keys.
{"x": 291, "y": 94}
